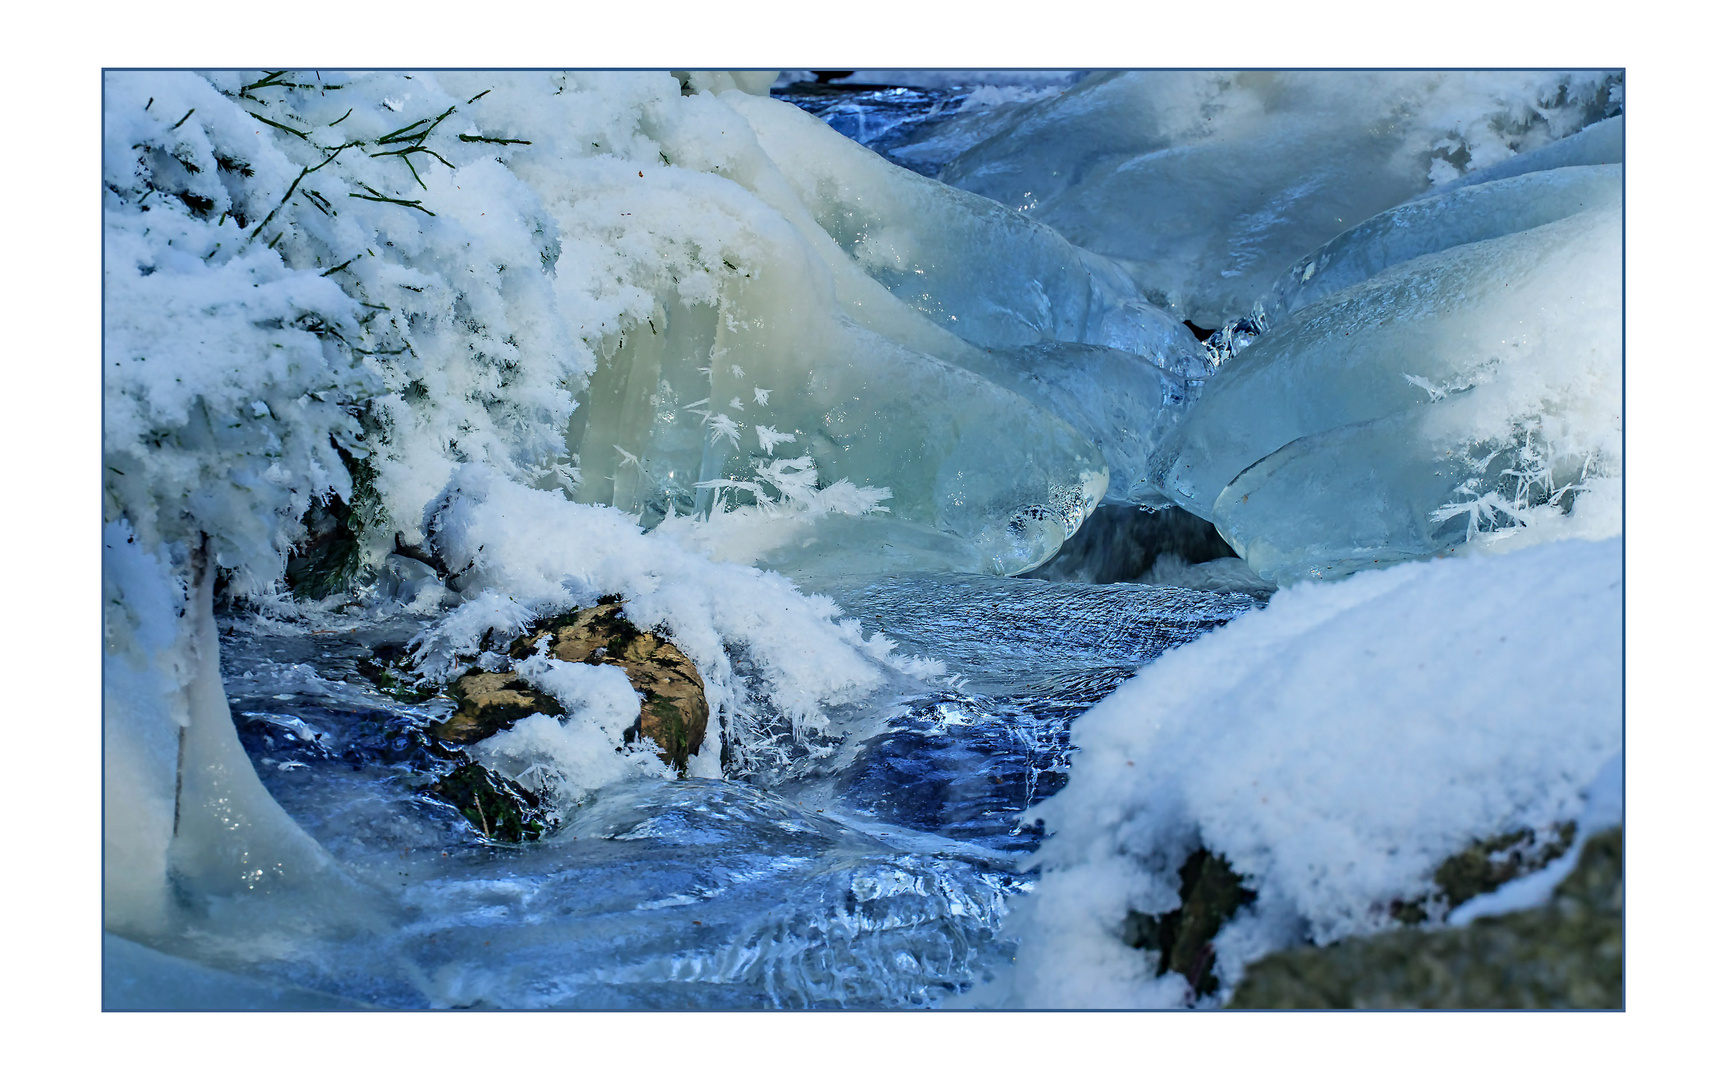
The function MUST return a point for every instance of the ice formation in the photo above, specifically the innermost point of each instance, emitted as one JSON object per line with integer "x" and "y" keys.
{"x": 1335, "y": 747}
{"x": 654, "y": 334}
{"x": 343, "y": 290}
{"x": 1206, "y": 185}
{"x": 1449, "y": 369}
{"x": 183, "y": 810}
{"x": 519, "y": 552}
{"x": 972, "y": 266}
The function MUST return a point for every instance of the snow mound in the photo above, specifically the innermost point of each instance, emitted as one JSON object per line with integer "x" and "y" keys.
{"x": 1335, "y": 747}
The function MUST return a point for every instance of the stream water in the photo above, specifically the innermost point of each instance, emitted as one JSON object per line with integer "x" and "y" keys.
{"x": 878, "y": 881}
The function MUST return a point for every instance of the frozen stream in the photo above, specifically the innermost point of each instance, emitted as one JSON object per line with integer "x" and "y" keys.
{"x": 879, "y": 881}
{"x": 603, "y": 302}
{"x": 878, "y": 878}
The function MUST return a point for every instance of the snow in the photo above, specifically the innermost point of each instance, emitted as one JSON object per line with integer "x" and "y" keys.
{"x": 657, "y": 335}
{"x": 1604, "y": 808}
{"x": 1335, "y": 747}
{"x": 520, "y": 552}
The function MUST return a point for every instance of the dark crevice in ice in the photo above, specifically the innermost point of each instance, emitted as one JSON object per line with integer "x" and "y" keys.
{"x": 1122, "y": 543}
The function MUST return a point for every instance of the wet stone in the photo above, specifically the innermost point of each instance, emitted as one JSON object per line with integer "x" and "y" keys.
{"x": 1211, "y": 891}
{"x": 1567, "y": 954}
{"x": 487, "y": 703}
{"x": 1484, "y": 866}
{"x": 495, "y": 805}
{"x": 390, "y": 669}
{"x": 674, "y": 705}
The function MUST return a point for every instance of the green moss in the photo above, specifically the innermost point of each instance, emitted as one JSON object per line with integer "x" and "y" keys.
{"x": 671, "y": 730}
{"x": 494, "y": 804}
{"x": 1211, "y": 891}
{"x": 389, "y": 669}
{"x": 1567, "y": 954}
{"x": 333, "y": 553}
{"x": 1488, "y": 864}
{"x": 1482, "y": 867}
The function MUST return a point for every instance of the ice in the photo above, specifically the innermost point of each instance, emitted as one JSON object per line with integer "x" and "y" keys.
{"x": 656, "y": 894}
{"x": 1334, "y": 747}
{"x": 1207, "y": 185}
{"x": 294, "y": 319}
{"x": 988, "y": 274}
{"x": 773, "y": 661}
{"x": 419, "y": 312}
{"x": 1121, "y": 402}
{"x": 1462, "y": 393}
{"x": 137, "y": 977}
{"x": 1601, "y": 143}
{"x": 1475, "y": 210}
{"x": 533, "y": 338}
{"x": 184, "y": 811}
{"x": 142, "y": 720}
{"x": 664, "y": 433}
{"x": 410, "y": 582}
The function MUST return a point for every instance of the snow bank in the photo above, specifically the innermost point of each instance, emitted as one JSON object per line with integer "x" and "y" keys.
{"x": 1335, "y": 747}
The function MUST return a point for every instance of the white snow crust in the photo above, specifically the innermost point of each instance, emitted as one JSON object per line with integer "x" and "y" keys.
{"x": 655, "y": 335}
{"x": 1335, "y": 747}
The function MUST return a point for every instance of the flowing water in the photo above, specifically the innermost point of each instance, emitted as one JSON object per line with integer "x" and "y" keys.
{"x": 877, "y": 881}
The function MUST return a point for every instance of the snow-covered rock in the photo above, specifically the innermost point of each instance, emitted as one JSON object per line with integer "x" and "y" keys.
{"x": 1334, "y": 747}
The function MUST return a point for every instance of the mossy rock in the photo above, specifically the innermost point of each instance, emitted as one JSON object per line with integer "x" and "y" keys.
{"x": 674, "y": 702}
{"x": 1483, "y": 866}
{"x": 1211, "y": 891}
{"x": 390, "y": 669}
{"x": 1566, "y": 954}
{"x": 494, "y": 804}
{"x": 487, "y": 703}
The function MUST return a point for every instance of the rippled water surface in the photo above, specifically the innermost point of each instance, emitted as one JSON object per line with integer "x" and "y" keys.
{"x": 880, "y": 881}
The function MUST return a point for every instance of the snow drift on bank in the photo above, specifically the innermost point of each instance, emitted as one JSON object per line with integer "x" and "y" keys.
{"x": 1335, "y": 747}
